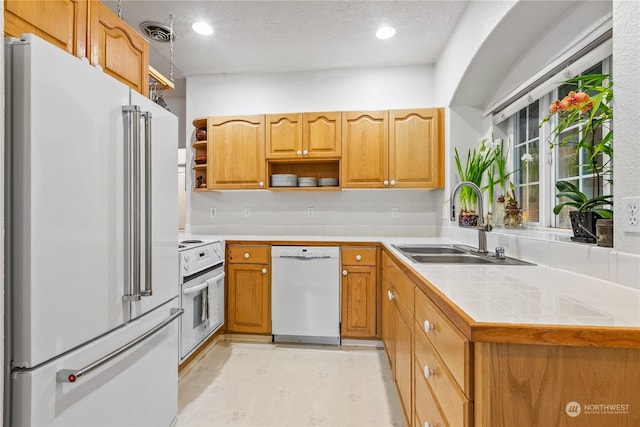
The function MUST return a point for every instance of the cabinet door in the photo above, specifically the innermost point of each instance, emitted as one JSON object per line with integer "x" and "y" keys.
{"x": 321, "y": 135}
{"x": 387, "y": 319}
{"x": 62, "y": 23}
{"x": 249, "y": 298}
{"x": 416, "y": 148}
{"x": 365, "y": 149}
{"x": 358, "y": 319}
{"x": 284, "y": 136}
{"x": 119, "y": 49}
{"x": 403, "y": 338}
{"x": 236, "y": 153}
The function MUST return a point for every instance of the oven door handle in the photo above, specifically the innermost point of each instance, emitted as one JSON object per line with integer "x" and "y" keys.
{"x": 203, "y": 285}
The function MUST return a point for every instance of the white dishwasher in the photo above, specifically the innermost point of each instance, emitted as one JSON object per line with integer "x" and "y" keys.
{"x": 305, "y": 294}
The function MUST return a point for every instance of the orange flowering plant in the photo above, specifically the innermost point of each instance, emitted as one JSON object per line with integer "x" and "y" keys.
{"x": 585, "y": 115}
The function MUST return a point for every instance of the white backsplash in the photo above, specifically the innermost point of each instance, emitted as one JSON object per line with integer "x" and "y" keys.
{"x": 339, "y": 213}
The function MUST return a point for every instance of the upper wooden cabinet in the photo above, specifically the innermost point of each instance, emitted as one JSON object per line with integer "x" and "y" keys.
{"x": 235, "y": 152}
{"x": 303, "y": 135}
{"x": 396, "y": 149}
{"x": 84, "y": 28}
{"x": 416, "y": 148}
{"x": 118, "y": 49}
{"x": 63, "y": 23}
{"x": 365, "y": 149}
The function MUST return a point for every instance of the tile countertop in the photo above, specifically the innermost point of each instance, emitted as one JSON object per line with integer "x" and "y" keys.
{"x": 512, "y": 295}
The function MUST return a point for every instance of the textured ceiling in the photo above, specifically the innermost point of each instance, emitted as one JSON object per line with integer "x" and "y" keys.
{"x": 277, "y": 36}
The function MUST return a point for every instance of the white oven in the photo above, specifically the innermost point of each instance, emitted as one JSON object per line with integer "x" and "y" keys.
{"x": 202, "y": 293}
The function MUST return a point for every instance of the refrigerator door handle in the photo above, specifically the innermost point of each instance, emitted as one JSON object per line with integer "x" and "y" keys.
{"x": 73, "y": 375}
{"x": 147, "y": 290}
{"x": 131, "y": 117}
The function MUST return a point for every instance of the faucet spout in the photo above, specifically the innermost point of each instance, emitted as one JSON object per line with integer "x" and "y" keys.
{"x": 482, "y": 227}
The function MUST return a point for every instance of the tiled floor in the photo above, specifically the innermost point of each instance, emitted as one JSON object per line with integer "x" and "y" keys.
{"x": 258, "y": 384}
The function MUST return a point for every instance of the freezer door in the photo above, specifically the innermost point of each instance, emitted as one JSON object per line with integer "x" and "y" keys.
{"x": 163, "y": 215}
{"x": 136, "y": 388}
{"x": 66, "y": 205}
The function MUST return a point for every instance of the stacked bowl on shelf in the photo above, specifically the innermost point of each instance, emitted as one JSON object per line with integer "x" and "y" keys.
{"x": 328, "y": 182}
{"x": 308, "y": 181}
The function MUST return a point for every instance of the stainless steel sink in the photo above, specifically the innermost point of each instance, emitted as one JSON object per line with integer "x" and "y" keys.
{"x": 451, "y": 259}
{"x": 453, "y": 254}
{"x": 430, "y": 249}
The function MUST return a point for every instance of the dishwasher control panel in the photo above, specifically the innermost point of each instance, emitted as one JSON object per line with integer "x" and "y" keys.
{"x": 305, "y": 252}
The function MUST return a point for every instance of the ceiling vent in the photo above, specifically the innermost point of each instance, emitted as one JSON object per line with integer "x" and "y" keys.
{"x": 157, "y": 31}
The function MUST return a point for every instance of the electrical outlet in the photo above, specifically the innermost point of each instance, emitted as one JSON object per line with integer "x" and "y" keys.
{"x": 212, "y": 212}
{"x": 630, "y": 206}
{"x": 309, "y": 212}
{"x": 247, "y": 212}
{"x": 394, "y": 212}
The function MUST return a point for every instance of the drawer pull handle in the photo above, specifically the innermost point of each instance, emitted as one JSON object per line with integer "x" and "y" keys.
{"x": 246, "y": 255}
{"x": 344, "y": 272}
{"x": 390, "y": 295}
{"x": 428, "y": 326}
{"x": 358, "y": 257}
{"x": 428, "y": 372}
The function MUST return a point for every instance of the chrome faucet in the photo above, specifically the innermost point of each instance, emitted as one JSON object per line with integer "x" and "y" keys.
{"x": 482, "y": 227}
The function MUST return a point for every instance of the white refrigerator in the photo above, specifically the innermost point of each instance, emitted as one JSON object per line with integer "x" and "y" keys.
{"x": 92, "y": 262}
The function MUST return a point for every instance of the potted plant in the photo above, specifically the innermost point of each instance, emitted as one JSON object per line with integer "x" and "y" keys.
{"x": 585, "y": 116}
{"x": 586, "y": 213}
{"x": 473, "y": 170}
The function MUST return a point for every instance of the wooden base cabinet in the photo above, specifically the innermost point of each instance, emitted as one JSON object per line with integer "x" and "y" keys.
{"x": 359, "y": 292}
{"x": 249, "y": 289}
{"x": 398, "y": 306}
{"x": 543, "y": 385}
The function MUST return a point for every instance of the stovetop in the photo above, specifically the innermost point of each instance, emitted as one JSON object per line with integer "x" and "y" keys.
{"x": 188, "y": 244}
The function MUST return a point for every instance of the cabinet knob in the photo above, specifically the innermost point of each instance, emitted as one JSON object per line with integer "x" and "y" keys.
{"x": 393, "y": 182}
{"x": 261, "y": 184}
{"x": 305, "y": 153}
{"x": 264, "y": 271}
{"x": 428, "y": 371}
{"x": 385, "y": 182}
{"x": 358, "y": 257}
{"x": 428, "y": 326}
{"x": 390, "y": 295}
{"x": 246, "y": 255}
{"x": 344, "y": 272}
{"x": 299, "y": 153}
{"x": 427, "y": 424}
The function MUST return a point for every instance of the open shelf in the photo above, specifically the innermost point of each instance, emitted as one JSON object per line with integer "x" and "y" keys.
{"x": 321, "y": 168}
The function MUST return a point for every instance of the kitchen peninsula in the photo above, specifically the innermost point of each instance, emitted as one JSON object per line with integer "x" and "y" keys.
{"x": 500, "y": 345}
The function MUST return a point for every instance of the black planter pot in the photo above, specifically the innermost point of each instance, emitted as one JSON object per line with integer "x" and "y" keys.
{"x": 588, "y": 221}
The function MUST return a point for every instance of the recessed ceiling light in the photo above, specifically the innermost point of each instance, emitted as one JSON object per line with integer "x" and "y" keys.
{"x": 385, "y": 32}
{"x": 202, "y": 28}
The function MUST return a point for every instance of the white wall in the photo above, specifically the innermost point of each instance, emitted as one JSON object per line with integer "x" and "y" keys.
{"x": 626, "y": 68}
{"x": 348, "y": 212}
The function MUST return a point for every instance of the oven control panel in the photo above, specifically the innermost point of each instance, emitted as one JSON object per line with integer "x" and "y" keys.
{"x": 200, "y": 258}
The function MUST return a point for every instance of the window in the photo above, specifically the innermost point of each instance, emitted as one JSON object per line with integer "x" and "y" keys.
{"x": 534, "y": 181}
{"x": 526, "y": 178}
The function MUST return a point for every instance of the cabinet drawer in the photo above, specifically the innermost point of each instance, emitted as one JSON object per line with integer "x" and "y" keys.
{"x": 358, "y": 256}
{"x": 404, "y": 286}
{"x": 448, "y": 341}
{"x": 249, "y": 254}
{"x": 454, "y": 404}
{"x": 426, "y": 408}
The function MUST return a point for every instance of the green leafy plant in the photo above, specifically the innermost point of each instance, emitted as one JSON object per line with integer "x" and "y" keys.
{"x": 576, "y": 199}
{"x": 473, "y": 170}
